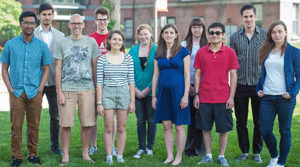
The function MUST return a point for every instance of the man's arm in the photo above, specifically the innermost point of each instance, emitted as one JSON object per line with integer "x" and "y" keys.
{"x": 45, "y": 73}
{"x": 196, "y": 86}
{"x": 233, "y": 83}
{"x": 94, "y": 70}
{"x": 60, "y": 96}
{"x": 5, "y": 77}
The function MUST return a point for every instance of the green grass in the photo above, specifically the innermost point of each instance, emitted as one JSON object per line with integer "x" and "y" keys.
{"x": 296, "y": 45}
{"x": 50, "y": 159}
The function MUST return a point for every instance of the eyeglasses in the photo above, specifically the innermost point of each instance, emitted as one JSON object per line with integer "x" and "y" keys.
{"x": 101, "y": 20}
{"x": 26, "y": 23}
{"x": 217, "y": 33}
{"x": 76, "y": 24}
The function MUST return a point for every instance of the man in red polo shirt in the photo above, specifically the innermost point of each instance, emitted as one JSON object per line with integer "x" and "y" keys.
{"x": 214, "y": 96}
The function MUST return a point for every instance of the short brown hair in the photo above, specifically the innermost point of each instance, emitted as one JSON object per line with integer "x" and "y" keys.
{"x": 108, "y": 47}
{"x": 101, "y": 10}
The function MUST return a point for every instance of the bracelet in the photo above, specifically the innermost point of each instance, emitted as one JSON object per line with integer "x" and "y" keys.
{"x": 153, "y": 96}
{"x": 99, "y": 103}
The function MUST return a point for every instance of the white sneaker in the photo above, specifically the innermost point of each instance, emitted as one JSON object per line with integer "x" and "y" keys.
{"x": 93, "y": 150}
{"x": 114, "y": 151}
{"x": 277, "y": 165}
{"x": 120, "y": 159}
{"x": 273, "y": 161}
{"x": 109, "y": 160}
{"x": 139, "y": 154}
{"x": 149, "y": 152}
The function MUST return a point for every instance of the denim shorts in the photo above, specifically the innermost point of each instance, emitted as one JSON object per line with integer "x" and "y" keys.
{"x": 208, "y": 113}
{"x": 116, "y": 97}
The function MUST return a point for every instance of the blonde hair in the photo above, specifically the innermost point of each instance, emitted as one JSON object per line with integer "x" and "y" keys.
{"x": 138, "y": 31}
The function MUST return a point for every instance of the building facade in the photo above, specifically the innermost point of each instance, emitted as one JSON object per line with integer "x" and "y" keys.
{"x": 180, "y": 12}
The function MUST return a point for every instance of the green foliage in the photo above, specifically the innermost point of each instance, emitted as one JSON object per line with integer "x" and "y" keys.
{"x": 112, "y": 22}
{"x": 10, "y": 11}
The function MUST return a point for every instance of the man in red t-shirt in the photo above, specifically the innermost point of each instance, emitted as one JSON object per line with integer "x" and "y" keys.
{"x": 214, "y": 96}
{"x": 101, "y": 20}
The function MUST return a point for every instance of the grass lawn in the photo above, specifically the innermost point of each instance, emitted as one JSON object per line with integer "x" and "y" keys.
{"x": 297, "y": 44}
{"x": 50, "y": 159}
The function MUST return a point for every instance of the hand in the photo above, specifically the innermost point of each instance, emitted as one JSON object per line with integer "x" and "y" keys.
{"x": 184, "y": 102}
{"x": 11, "y": 90}
{"x": 100, "y": 109}
{"x": 138, "y": 93}
{"x": 192, "y": 91}
{"x": 41, "y": 89}
{"x": 131, "y": 107}
{"x": 229, "y": 103}
{"x": 145, "y": 92}
{"x": 61, "y": 99}
{"x": 154, "y": 100}
{"x": 196, "y": 102}
{"x": 260, "y": 93}
{"x": 286, "y": 95}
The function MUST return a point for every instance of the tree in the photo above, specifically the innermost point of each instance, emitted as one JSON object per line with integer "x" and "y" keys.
{"x": 112, "y": 21}
{"x": 10, "y": 11}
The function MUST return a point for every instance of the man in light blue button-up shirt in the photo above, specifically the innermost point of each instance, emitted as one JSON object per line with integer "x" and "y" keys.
{"x": 27, "y": 58}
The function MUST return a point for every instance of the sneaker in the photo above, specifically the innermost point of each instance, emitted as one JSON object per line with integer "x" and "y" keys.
{"x": 120, "y": 159}
{"x": 16, "y": 162}
{"x": 149, "y": 152}
{"x": 277, "y": 165}
{"x": 114, "y": 151}
{"x": 243, "y": 157}
{"x": 93, "y": 150}
{"x": 57, "y": 151}
{"x": 139, "y": 154}
{"x": 222, "y": 161}
{"x": 257, "y": 158}
{"x": 109, "y": 161}
{"x": 206, "y": 159}
{"x": 35, "y": 160}
{"x": 273, "y": 161}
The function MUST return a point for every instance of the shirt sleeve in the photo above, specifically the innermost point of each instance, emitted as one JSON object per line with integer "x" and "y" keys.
{"x": 197, "y": 63}
{"x": 95, "y": 49}
{"x": 185, "y": 52}
{"x": 234, "y": 61}
{"x": 5, "y": 56}
{"x": 47, "y": 59}
{"x": 58, "y": 53}
{"x": 100, "y": 71}
{"x": 130, "y": 69}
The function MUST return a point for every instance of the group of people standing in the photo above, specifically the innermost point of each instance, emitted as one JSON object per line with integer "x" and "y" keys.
{"x": 194, "y": 82}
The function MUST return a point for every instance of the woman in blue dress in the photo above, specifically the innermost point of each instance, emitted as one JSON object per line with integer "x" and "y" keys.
{"x": 171, "y": 79}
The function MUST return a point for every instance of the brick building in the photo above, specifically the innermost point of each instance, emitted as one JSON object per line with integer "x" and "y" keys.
{"x": 180, "y": 12}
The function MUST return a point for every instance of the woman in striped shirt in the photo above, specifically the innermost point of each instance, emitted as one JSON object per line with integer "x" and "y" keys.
{"x": 115, "y": 92}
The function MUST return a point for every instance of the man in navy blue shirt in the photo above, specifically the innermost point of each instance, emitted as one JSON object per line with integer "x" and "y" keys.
{"x": 27, "y": 58}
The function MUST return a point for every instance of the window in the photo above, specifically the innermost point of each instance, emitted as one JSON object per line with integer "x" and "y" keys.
{"x": 64, "y": 2}
{"x": 229, "y": 30}
{"x": 295, "y": 19}
{"x": 63, "y": 27}
{"x": 128, "y": 29}
{"x": 68, "y": 12}
{"x": 259, "y": 14}
{"x": 171, "y": 20}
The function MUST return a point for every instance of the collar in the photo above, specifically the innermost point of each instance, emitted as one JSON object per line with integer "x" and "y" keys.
{"x": 40, "y": 29}
{"x": 257, "y": 30}
{"x": 222, "y": 49}
{"x": 23, "y": 40}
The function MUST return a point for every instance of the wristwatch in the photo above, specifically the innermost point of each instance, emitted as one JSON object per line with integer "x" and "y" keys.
{"x": 196, "y": 94}
{"x": 99, "y": 103}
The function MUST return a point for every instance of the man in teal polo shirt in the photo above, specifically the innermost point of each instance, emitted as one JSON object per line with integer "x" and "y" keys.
{"x": 27, "y": 58}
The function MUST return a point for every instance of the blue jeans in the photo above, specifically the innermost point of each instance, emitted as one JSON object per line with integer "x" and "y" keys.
{"x": 144, "y": 112}
{"x": 270, "y": 106}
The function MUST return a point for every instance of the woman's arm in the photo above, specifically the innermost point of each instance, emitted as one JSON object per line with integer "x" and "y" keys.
{"x": 187, "y": 63}
{"x": 154, "y": 84}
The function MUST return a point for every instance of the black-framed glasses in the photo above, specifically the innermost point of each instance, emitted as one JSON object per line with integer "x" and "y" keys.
{"x": 76, "y": 24}
{"x": 217, "y": 33}
{"x": 102, "y": 20}
{"x": 27, "y": 23}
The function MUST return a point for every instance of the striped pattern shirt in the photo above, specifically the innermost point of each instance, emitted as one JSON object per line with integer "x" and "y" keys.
{"x": 247, "y": 52}
{"x": 115, "y": 74}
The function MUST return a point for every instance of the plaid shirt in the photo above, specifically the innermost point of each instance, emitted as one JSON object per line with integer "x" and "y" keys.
{"x": 247, "y": 53}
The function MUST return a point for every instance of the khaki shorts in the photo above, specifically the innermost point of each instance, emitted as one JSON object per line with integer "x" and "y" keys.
{"x": 86, "y": 108}
{"x": 116, "y": 97}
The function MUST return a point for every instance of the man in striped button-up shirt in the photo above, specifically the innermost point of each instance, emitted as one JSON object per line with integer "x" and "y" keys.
{"x": 246, "y": 43}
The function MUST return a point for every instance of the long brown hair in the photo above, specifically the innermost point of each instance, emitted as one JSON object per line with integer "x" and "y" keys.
{"x": 196, "y": 21}
{"x": 269, "y": 44}
{"x": 139, "y": 29}
{"x": 162, "y": 46}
